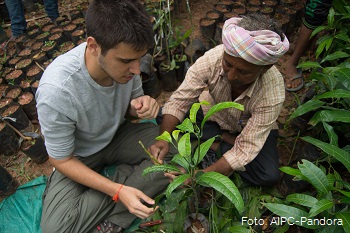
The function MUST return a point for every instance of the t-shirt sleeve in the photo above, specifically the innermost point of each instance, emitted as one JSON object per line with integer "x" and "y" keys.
{"x": 57, "y": 118}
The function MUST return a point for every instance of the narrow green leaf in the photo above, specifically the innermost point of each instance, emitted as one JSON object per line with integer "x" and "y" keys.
{"x": 194, "y": 109}
{"x": 315, "y": 175}
{"x": 330, "y": 17}
{"x": 309, "y": 64}
{"x": 293, "y": 172}
{"x": 165, "y": 136}
{"x": 204, "y": 147}
{"x": 160, "y": 168}
{"x": 223, "y": 185}
{"x": 345, "y": 217}
{"x": 175, "y": 134}
{"x": 302, "y": 199}
{"x": 307, "y": 107}
{"x": 336, "y": 115}
{"x": 180, "y": 160}
{"x": 176, "y": 183}
{"x": 332, "y": 229}
{"x": 238, "y": 229}
{"x": 339, "y": 154}
{"x": 292, "y": 214}
{"x": 335, "y": 94}
{"x": 184, "y": 145}
{"x": 333, "y": 137}
{"x": 282, "y": 229}
{"x": 220, "y": 106}
{"x": 320, "y": 206}
{"x": 334, "y": 56}
{"x": 186, "y": 126}
{"x": 317, "y": 30}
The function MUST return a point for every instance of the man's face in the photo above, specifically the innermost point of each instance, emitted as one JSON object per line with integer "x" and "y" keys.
{"x": 121, "y": 63}
{"x": 239, "y": 72}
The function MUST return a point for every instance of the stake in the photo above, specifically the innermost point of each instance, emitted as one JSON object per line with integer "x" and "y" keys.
{"x": 19, "y": 133}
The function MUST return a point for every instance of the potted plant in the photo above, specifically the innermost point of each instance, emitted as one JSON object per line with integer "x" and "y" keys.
{"x": 190, "y": 178}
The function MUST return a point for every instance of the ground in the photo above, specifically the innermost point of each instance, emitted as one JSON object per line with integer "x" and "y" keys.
{"x": 24, "y": 170}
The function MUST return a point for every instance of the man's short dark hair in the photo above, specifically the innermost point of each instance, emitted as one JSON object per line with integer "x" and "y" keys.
{"x": 111, "y": 22}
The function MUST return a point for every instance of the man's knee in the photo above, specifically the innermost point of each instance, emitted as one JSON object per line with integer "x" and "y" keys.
{"x": 262, "y": 177}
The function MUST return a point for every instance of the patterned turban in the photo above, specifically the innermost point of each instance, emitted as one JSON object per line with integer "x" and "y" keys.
{"x": 262, "y": 47}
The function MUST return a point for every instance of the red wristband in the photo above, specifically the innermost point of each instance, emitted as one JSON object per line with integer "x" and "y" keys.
{"x": 116, "y": 197}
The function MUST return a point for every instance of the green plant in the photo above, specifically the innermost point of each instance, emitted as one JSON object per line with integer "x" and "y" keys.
{"x": 191, "y": 179}
{"x": 49, "y": 43}
{"x": 326, "y": 207}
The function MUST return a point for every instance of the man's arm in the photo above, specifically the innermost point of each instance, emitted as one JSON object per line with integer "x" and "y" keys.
{"x": 143, "y": 107}
{"x": 80, "y": 173}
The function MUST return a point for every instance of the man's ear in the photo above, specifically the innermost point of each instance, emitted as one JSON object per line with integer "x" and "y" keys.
{"x": 92, "y": 46}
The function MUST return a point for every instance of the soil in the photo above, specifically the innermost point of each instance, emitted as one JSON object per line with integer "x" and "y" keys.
{"x": 11, "y": 109}
{"x": 25, "y": 98}
{"x": 14, "y": 61}
{"x": 5, "y": 101}
{"x": 14, "y": 74}
{"x": 35, "y": 84}
{"x": 78, "y": 33}
{"x": 14, "y": 93}
{"x": 33, "y": 70}
{"x": 37, "y": 45}
{"x": 206, "y": 22}
{"x": 25, "y": 53}
{"x": 25, "y": 84}
{"x": 24, "y": 63}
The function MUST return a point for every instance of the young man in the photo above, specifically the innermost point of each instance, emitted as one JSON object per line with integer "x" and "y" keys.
{"x": 315, "y": 14}
{"x": 82, "y": 100}
{"x": 240, "y": 70}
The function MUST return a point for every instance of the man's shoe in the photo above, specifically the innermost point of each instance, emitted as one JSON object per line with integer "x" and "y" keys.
{"x": 107, "y": 227}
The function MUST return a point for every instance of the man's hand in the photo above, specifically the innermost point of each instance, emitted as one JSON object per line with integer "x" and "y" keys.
{"x": 159, "y": 150}
{"x": 144, "y": 107}
{"x": 130, "y": 197}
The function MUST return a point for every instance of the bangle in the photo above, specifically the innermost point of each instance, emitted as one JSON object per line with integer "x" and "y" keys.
{"x": 116, "y": 197}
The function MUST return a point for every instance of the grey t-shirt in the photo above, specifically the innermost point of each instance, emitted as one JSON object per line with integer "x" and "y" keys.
{"x": 76, "y": 114}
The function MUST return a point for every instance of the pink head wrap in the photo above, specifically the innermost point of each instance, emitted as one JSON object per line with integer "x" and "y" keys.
{"x": 262, "y": 47}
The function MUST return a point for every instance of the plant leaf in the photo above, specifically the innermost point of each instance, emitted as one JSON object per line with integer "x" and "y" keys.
{"x": 302, "y": 199}
{"x": 292, "y": 214}
{"x": 203, "y": 147}
{"x": 346, "y": 220}
{"x": 220, "y": 106}
{"x": 223, "y": 185}
{"x": 333, "y": 137}
{"x": 180, "y": 160}
{"x": 339, "y": 154}
{"x": 160, "y": 168}
{"x": 307, "y": 107}
{"x": 184, "y": 145}
{"x": 176, "y": 183}
{"x": 293, "y": 172}
{"x": 335, "y": 94}
{"x": 315, "y": 176}
{"x": 186, "y": 126}
{"x": 194, "y": 109}
{"x": 165, "y": 136}
{"x": 175, "y": 134}
{"x": 334, "y": 56}
{"x": 336, "y": 115}
{"x": 320, "y": 206}
{"x": 309, "y": 64}
{"x": 238, "y": 229}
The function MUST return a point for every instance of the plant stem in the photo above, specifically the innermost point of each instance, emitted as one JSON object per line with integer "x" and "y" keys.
{"x": 149, "y": 154}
